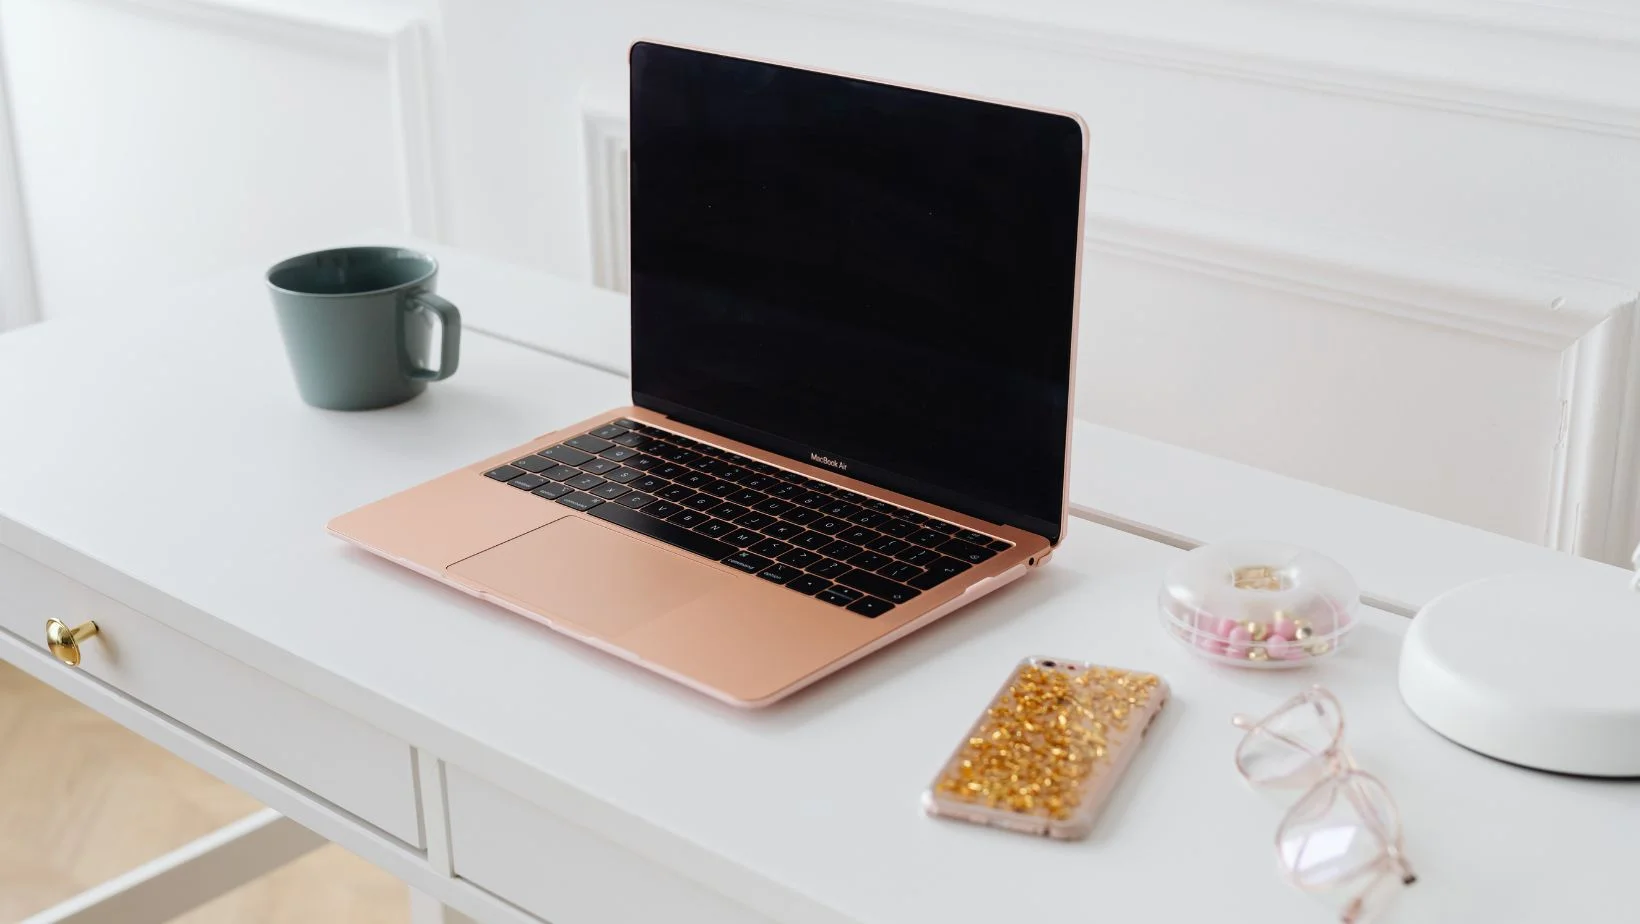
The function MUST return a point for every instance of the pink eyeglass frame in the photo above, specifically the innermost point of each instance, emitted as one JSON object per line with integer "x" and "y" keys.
{"x": 1337, "y": 768}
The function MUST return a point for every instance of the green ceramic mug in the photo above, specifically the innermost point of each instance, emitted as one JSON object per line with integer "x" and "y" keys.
{"x": 358, "y": 324}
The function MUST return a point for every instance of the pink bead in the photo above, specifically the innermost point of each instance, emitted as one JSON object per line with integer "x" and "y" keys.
{"x": 1227, "y": 626}
{"x": 1281, "y": 649}
{"x": 1284, "y": 629}
{"x": 1210, "y": 644}
{"x": 1236, "y": 640}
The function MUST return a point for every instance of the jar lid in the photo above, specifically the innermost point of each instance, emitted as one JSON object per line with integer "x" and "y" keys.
{"x": 1256, "y": 603}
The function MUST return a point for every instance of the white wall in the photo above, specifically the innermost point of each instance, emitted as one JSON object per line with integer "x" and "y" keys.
{"x": 159, "y": 139}
{"x": 1351, "y": 242}
{"x": 1370, "y": 243}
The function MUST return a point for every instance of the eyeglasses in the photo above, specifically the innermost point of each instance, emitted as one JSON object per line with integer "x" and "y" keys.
{"x": 1343, "y": 836}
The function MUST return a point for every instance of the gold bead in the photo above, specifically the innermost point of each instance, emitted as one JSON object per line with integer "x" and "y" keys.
{"x": 1302, "y": 629}
{"x": 1258, "y": 630}
{"x": 1257, "y": 654}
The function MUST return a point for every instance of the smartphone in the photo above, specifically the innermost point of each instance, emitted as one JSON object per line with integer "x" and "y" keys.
{"x": 1047, "y": 751}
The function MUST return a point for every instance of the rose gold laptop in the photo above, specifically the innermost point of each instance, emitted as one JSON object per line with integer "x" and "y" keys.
{"x": 853, "y": 337}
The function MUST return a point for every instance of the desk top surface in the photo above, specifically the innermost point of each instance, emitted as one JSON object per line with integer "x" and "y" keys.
{"x": 164, "y": 459}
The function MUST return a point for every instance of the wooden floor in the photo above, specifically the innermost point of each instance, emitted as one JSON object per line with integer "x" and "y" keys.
{"x": 82, "y": 800}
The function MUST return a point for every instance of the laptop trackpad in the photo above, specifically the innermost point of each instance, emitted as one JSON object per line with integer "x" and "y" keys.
{"x": 586, "y": 574}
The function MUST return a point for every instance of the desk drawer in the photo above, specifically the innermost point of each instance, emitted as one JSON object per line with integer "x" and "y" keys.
{"x": 328, "y": 752}
{"x": 566, "y": 873}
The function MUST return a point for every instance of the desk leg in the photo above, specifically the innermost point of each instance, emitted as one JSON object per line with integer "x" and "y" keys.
{"x": 425, "y": 909}
{"x": 189, "y": 876}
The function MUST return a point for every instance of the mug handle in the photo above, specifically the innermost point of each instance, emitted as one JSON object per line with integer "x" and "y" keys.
{"x": 449, "y": 318}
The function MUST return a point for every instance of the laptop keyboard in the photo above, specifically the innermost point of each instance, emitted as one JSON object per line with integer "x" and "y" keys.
{"x": 817, "y": 539}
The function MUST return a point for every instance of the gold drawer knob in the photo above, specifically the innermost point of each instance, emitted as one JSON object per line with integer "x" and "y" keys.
{"x": 65, "y": 642}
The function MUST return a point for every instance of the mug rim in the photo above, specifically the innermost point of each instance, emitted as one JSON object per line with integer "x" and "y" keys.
{"x": 283, "y": 264}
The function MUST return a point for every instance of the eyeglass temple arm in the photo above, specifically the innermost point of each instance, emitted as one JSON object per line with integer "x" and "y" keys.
{"x": 1248, "y": 723}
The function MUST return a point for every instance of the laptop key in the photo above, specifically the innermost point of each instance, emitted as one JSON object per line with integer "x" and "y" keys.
{"x": 899, "y": 571}
{"x": 588, "y": 443}
{"x": 628, "y": 423}
{"x": 928, "y": 537}
{"x": 695, "y": 480}
{"x": 677, "y": 492}
{"x": 1000, "y": 545}
{"x": 747, "y": 498}
{"x": 755, "y": 520}
{"x": 868, "y": 517}
{"x": 896, "y": 528}
{"x": 618, "y": 453}
{"x": 828, "y": 568}
{"x": 786, "y": 491}
{"x": 663, "y": 531}
{"x": 941, "y": 526}
{"x": 609, "y": 490}
{"x": 771, "y": 547}
{"x": 911, "y": 516}
{"x": 870, "y": 561}
{"x": 629, "y": 440}
{"x": 649, "y": 483}
{"x": 504, "y": 473}
{"x": 642, "y": 463}
{"x": 584, "y": 482}
{"x": 838, "y": 596}
{"x": 841, "y": 549}
{"x": 662, "y": 509}
{"x": 747, "y": 562}
{"x": 563, "y": 472}
{"x": 938, "y": 573}
{"x": 858, "y": 535}
{"x": 799, "y": 558}
{"x": 828, "y": 525}
{"x": 688, "y": 518}
{"x": 610, "y": 431}
{"x": 702, "y": 502}
{"x": 779, "y": 574}
{"x": 807, "y": 584}
{"x": 812, "y": 540}
{"x": 527, "y": 482}
{"x": 599, "y": 466}
{"x": 550, "y": 491}
{"x": 917, "y": 555}
{"x": 533, "y": 464}
{"x": 877, "y": 586}
{"x": 635, "y": 499}
{"x": 965, "y": 551}
{"x": 801, "y": 516}
{"x": 811, "y": 499}
{"x": 838, "y": 508}
{"x": 715, "y": 528}
{"x": 968, "y": 535}
{"x": 579, "y": 501}
{"x": 881, "y": 506}
{"x": 668, "y": 470}
{"x": 782, "y": 530}
{"x": 888, "y": 545}
{"x": 759, "y": 482}
{"x": 720, "y": 488}
{"x": 624, "y": 475}
{"x": 773, "y": 506}
{"x": 727, "y": 511}
{"x": 566, "y": 454}
{"x": 870, "y": 607}
{"x": 743, "y": 537}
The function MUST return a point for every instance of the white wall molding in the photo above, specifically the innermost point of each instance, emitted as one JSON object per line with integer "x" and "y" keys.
{"x": 383, "y": 36}
{"x": 19, "y": 296}
{"x": 608, "y": 172}
{"x": 1594, "y": 506}
{"x": 1299, "y": 62}
{"x": 1535, "y": 308}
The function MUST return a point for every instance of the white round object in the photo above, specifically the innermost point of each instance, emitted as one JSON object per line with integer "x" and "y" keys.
{"x": 1540, "y": 669}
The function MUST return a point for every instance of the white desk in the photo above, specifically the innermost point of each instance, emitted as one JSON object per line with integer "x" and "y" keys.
{"x": 159, "y": 474}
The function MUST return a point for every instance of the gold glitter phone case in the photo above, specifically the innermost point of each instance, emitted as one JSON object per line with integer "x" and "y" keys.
{"x": 1045, "y": 754}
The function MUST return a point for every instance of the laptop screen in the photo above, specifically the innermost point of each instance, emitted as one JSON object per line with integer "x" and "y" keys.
{"x": 877, "y": 279}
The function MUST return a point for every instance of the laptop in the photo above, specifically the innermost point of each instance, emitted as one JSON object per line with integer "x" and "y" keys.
{"x": 854, "y": 317}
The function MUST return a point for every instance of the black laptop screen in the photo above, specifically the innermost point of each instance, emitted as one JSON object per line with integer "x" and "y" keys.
{"x": 884, "y": 277}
